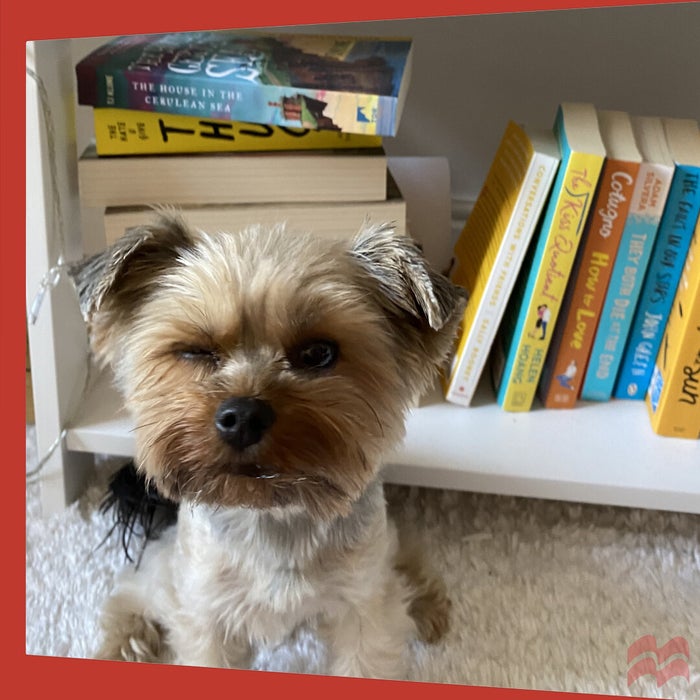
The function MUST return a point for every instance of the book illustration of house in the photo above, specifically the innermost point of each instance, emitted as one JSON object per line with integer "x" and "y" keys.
{"x": 307, "y": 111}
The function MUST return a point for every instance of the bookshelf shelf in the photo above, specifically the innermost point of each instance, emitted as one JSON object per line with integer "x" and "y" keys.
{"x": 596, "y": 453}
{"x": 602, "y": 454}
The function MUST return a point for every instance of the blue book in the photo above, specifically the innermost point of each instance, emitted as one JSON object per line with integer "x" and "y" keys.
{"x": 634, "y": 252}
{"x": 667, "y": 261}
{"x": 355, "y": 85}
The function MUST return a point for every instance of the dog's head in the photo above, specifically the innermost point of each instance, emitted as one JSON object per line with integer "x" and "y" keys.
{"x": 263, "y": 368}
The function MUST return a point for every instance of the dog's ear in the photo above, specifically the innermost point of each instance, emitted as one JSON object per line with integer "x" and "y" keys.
{"x": 407, "y": 282}
{"x": 423, "y": 307}
{"x": 112, "y": 283}
{"x": 123, "y": 272}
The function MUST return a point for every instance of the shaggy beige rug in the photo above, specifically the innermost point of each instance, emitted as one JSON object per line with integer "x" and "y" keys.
{"x": 546, "y": 595}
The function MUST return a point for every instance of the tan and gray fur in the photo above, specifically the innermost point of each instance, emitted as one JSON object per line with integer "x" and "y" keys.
{"x": 288, "y": 527}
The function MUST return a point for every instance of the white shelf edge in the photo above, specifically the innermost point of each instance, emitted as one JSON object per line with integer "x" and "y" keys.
{"x": 602, "y": 453}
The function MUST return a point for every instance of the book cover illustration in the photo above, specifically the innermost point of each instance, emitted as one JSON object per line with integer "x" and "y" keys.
{"x": 492, "y": 245}
{"x": 640, "y": 231}
{"x": 135, "y": 132}
{"x": 570, "y": 348}
{"x": 673, "y": 396}
{"x": 531, "y": 315}
{"x": 666, "y": 263}
{"x": 344, "y": 83}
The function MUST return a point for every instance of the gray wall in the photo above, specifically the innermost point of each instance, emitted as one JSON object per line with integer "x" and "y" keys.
{"x": 472, "y": 73}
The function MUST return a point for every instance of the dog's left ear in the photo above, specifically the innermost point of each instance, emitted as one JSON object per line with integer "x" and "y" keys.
{"x": 406, "y": 281}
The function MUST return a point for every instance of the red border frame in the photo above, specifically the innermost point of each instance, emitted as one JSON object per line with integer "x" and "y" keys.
{"x": 73, "y": 18}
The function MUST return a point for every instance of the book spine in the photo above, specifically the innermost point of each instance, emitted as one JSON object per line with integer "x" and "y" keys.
{"x": 135, "y": 132}
{"x": 673, "y": 397}
{"x": 546, "y": 283}
{"x": 92, "y": 89}
{"x": 640, "y": 231}
{"x": 508, "y": 212}
{"x": 573, "y": 336}
{"x": 211, "y": 98}
{"x": 660, "y": 283}
{"x": 474, "y": 347}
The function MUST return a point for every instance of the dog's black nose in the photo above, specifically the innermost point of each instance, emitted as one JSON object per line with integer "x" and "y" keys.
{"x": 242, "y": 421}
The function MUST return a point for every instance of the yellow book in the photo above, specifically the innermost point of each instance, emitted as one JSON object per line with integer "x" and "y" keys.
{"x": 531, "y": 314}
{"x": 120, "y": 132}
{"x": 673, "y": 397}
{"x": 492, "y": 245}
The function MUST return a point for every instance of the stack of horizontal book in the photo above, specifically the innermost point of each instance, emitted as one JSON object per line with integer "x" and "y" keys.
{"x": 580, "y": 258}
{"x": 242, "y": 127}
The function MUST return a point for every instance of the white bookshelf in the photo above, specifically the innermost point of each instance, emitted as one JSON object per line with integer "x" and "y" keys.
{"x": 595, "y": 453}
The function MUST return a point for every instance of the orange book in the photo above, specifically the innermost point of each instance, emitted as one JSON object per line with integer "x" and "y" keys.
{"x": 571, "y": 344}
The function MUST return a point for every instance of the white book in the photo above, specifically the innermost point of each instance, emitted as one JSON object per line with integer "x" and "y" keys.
{"x": 490, "y": 250}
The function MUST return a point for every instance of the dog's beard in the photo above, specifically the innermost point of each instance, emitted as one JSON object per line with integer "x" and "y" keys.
{"x": 319, "y": 455}
{"x": 266, "y": 480}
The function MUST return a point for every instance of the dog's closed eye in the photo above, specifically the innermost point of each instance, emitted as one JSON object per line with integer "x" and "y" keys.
{"x": 197, "y": 354}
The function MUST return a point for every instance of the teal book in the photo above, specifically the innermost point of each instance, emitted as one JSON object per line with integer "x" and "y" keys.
{"x": 667, "y": 261}
{"x": 325, "y": 82}
{"x": 634, "y": 252}
{"x": 526, "y": 329}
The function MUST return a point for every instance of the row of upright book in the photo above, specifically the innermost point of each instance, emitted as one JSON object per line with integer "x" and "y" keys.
{"x": 582, "y": 261}
{"x": 238, "y": 127}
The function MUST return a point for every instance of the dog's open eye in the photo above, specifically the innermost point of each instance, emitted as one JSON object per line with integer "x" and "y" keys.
{"x": 315, "y": 354}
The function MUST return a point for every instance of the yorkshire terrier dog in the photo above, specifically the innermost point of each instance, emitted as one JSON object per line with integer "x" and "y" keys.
{"x": 268, "y": 374}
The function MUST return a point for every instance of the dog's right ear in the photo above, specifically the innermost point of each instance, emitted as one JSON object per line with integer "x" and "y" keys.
{"x": 121, "y": 274}
{"x": 112, "y": 284}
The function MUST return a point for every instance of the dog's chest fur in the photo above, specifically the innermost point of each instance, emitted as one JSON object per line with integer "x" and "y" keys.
{"x": 266, "y": 573}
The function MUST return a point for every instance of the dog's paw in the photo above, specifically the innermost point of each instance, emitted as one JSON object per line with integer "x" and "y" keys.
{"x": 430, "y": 610}
{"x": 132, "y": 637}
{"x": 428, "y": 602}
